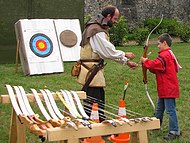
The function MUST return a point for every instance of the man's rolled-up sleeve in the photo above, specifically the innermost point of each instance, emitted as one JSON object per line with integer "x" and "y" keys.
{"x": 105, "y": 49}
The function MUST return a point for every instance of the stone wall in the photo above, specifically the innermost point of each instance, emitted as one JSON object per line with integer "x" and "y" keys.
{"x": 136, "y": 11}
{"x": 92, "y": 7}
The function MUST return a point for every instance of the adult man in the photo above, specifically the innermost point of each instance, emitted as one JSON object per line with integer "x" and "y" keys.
{"x": 96, "y": 47}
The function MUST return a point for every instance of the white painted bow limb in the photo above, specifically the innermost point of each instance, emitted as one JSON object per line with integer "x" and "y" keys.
{"x": 66, "y": 105}
{"x": 24, "y": 104}
{"x": 57, "y": 111}
{"x": 48, "y": 105}
{"x": 69, "y": 103}
{"x": 13, "y": 100}
{"x": 25, "y": 100}
{"x": 24, "y": 118}
{"x": 54, "y": 105}
{"x": 84, "y": 120}
{"x": 69, "y": 100}
{"x": 40, "y": 105}
{"x": 54, "y": 122}
{"x": 20, "y": 101}
{"x": 82, "y": 111}
{"x": 51, "y": 110}
{"x": 79, "y": 104}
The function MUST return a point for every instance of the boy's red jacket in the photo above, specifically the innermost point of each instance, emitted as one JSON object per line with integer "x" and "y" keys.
{"x": 165, "y": 68}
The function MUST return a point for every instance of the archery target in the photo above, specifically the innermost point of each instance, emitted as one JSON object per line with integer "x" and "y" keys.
{"x": 39, "y": 49}
{"x": 69, "y": 38}
{"x": 41, "y": 45}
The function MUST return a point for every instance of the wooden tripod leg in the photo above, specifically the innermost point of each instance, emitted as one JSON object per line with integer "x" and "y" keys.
{"x": 13, "y": 130}
{"x": 17, "y": 52}
{"x": 17, "y": 130}
{"x": 21, "y": 136}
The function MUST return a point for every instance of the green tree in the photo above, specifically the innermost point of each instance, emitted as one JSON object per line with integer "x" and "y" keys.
{"x": 118, "y": 33}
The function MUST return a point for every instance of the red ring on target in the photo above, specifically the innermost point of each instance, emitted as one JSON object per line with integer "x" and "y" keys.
{"x": 41, "y": 45}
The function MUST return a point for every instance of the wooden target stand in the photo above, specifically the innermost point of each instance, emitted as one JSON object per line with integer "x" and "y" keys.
{"x": 17, "y": 55}
{"x": 138, "y": 130}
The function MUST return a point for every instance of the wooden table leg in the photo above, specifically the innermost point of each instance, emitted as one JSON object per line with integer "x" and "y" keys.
{"x": 143, "y": 136}
{"x": 134, "y": 137}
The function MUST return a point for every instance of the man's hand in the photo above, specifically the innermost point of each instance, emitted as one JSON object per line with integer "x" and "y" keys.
{"x": 129, "y": 55}
{"x": 132, "y": 65}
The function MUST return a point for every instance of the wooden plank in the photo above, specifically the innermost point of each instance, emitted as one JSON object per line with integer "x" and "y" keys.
{"x": 4, "y": 99}
{"x": 99, "y": 129}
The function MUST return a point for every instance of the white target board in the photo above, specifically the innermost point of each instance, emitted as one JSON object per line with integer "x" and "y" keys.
{"x": 69, "y": 38}
{"x": 39, "y": 48}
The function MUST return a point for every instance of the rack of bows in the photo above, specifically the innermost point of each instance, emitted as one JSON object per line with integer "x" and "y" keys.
{"x": 68, "y": 123}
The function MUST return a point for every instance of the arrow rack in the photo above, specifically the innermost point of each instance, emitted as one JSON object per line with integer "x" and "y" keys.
{"x": 62, "y": 134}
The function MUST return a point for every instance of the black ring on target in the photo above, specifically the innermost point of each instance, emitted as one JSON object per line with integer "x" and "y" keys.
{"x": 41, "y": 45}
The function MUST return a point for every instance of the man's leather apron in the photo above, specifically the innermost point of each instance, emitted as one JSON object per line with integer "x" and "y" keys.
{"x": 87, "y": 54}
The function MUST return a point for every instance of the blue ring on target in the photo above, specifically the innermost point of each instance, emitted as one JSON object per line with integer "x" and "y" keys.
{"x": 43, "y": 39}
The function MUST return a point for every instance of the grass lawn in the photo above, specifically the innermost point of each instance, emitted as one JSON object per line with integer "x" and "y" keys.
{"x": 116, "y": 75}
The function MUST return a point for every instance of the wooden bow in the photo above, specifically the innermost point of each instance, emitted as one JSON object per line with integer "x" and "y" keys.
{"x": 144, "y": 69}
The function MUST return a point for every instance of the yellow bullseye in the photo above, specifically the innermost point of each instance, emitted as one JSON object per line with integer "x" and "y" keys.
{"x": 41, "y": 45}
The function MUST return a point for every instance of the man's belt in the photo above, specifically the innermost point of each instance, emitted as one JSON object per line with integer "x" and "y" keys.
{"x": 83, "y": 61}
{"x": 95, "y": 68}
{"x": 91, "y": 60}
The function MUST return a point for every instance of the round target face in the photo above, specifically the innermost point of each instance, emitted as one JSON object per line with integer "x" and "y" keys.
{"x": 41, "y": 45}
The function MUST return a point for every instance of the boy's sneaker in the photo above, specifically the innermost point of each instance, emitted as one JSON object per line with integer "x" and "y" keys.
{"x": 171, "y": 136}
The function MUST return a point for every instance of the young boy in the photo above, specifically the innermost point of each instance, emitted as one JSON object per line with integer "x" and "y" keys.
{"x": 165, "y": 67}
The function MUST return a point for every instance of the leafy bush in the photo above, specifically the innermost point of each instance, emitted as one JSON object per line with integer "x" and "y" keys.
{"x": 183, "y": 32}
{"x": 141, "y": 34}
{"x": 167, "y": 25}
{"x": 170, "y": 25}
{"x": 87, "y": 18}
{"x": 118, "y": 33}
{"x": 150, "y": 23}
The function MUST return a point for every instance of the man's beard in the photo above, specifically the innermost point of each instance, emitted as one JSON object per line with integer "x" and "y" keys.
{"x": 110, "y": 23}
